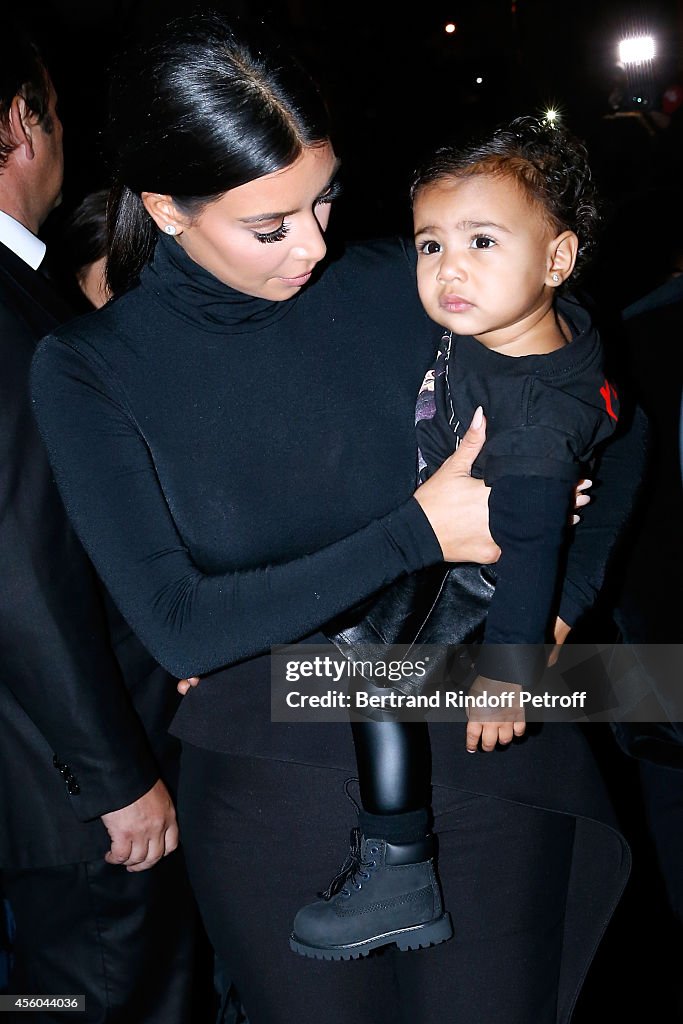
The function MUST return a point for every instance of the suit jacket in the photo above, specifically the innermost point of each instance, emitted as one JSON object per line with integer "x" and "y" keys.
{"x": 75, "y": 740}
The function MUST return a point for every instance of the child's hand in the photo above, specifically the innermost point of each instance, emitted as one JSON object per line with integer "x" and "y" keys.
{"x": 493, "y": 725}
{"x": 186, "y": 684}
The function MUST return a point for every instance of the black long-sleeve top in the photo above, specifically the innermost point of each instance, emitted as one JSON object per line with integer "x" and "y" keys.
{"x": 545, "y": 416}
{"x": 242, "y": 471}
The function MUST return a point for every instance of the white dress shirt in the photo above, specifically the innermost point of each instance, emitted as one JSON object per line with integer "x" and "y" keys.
{"x": 21, "y": 241}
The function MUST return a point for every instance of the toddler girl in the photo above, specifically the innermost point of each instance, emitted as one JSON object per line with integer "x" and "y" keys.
{"x": 500, "y": 227}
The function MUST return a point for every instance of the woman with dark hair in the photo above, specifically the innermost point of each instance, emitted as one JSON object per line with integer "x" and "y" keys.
{"x": 217, "y": 438}
{"x": 81, "y": 239}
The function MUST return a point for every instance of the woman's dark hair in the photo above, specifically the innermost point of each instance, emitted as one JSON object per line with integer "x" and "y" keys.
{"x": 199, "y": 111}
{"x": 545, "y": 160}
{"x": 83, "y": 237}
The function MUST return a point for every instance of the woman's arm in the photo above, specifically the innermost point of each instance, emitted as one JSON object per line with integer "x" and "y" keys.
{"x": 190, "y": 621}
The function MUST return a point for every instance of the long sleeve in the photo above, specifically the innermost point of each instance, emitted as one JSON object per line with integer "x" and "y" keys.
{"x": 193, "y": 621}
{"x": 529, "y": 518}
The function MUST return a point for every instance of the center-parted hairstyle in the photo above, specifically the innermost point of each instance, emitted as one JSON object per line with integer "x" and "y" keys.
{"x": 546, "y": 161}
{"x": 203, "y": 108}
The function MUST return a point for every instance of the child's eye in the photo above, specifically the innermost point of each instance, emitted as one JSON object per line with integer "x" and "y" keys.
{"x": 272, "y": 236}
{"x": 482, "y": 242}
{"x": 428, "y": 248}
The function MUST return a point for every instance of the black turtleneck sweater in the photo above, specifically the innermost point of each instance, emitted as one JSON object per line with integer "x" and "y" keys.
{"x": 242, "y": 471}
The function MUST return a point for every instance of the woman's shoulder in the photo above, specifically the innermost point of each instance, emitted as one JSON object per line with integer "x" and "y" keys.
{"x": 95, "y": 331}
{"x": 94, "y": 346}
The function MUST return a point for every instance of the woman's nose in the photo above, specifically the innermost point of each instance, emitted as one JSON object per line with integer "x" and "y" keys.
{"x": 310, "y": 241}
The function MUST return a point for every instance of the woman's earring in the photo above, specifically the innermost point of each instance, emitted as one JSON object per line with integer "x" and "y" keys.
{"x": 555, "y": 277}
{"x": 170, "y": 229}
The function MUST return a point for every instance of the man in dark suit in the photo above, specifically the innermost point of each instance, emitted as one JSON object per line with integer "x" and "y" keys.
{"x": 84, "y": 810}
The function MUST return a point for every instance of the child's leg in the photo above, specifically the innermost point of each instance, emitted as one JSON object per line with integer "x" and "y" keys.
{"x": 387, "y": 891}
{"x": 394, "y": 772}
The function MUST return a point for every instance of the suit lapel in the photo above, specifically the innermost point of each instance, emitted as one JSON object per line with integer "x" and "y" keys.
{"x": 34, "y": 297}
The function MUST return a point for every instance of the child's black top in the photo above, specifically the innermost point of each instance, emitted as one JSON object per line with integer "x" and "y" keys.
{"x": 545, "y": 416}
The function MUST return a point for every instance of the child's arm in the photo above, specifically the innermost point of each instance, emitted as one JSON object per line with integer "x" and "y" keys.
{"x": 595, "y": 544}
{"x": 489, "y": 729}
{"x": 529, "y": 518}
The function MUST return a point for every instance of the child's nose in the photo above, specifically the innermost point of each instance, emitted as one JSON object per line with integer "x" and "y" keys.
{"x": 451, "y": 268}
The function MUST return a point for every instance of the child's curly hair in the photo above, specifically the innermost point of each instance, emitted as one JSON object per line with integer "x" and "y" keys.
{"x": 549, "y": 163}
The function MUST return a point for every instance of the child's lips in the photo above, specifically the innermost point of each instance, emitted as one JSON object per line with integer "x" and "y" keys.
{"x": 455, "y": 304}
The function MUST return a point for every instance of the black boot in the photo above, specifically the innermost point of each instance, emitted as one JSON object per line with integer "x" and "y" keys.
{"x": 385, "y": 893}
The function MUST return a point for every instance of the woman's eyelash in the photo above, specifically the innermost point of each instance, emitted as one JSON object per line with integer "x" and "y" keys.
{"x": 333, "y": 192}
{"x": 279, "y": 233}
{"x": 273, "y": 236}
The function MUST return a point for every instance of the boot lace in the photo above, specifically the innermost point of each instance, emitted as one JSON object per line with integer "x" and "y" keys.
{"x": 353, "y": 868}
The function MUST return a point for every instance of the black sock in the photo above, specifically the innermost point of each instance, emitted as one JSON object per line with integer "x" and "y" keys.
{"x": 407, "y": 827}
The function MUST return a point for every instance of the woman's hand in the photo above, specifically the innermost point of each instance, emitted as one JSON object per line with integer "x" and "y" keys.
{"x": 456, "y": 504}
{"x": 560, "y": 634}
{"x": 581, "y": 499}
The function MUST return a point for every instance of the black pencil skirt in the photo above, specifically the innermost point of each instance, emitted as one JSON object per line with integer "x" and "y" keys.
{"x": 262, "y": 837}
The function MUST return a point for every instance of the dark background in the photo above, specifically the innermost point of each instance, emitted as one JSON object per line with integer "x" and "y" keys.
{"x": 395, "y": 82}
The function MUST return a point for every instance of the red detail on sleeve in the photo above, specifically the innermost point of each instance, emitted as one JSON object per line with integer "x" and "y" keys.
{"x": 608, "y": 391}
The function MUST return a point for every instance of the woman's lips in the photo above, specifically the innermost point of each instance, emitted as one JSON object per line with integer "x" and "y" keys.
{"x": 296, "y": 282}
{"x": 455, "y": 304}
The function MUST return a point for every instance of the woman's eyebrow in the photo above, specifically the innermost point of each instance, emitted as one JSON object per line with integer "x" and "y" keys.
{"x": 265, "y": 216}
{"x": 257, "y": 218}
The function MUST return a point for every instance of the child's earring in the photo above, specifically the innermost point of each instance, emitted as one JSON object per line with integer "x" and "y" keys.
{"x": 556, "y": 278}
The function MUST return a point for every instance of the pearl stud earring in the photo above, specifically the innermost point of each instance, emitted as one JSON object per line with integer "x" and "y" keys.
{"x": 170, "y": 229}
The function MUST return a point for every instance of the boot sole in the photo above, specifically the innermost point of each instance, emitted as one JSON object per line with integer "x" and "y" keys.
{"x": 419, "y": 936}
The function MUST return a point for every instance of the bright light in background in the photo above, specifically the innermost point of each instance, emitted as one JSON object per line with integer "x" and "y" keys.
{"x": 551, "y": 115}
{"x": 479, "y": 80}
{"x": 450, "y": 28}
{"x": 636, "y": 50}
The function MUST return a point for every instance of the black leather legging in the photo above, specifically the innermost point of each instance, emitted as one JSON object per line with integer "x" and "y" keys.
{"x": 394, "y": 765}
